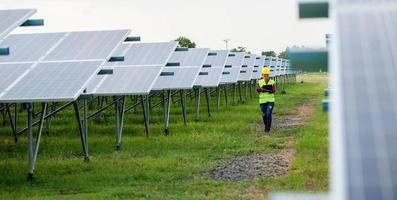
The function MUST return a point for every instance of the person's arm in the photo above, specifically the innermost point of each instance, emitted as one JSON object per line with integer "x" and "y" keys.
{"x": 273, "y": 90}
{"x": 259, "y": 89}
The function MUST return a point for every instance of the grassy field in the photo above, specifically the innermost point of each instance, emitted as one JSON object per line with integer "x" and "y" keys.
{"x": 173, "y": 167}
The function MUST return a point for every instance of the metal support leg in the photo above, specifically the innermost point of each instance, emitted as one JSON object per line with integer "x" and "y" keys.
{"x": 33, "y": 150}
{"x": 218, "y": 98}
{"x": 234, "y": 93}
{"x": 81, "y": 130}
{"x": 48, "y": 121}
{"x": 167, "y": 104}
{"x": 239, "y": 91}
{"x": 197, "y": 95}
{"x": 226, "y": 95}
{"x": 30, "y": 142}
{"x": 208, "y": 97}
{"x": 283, "y": 84}
{"x": 12, "y": 122}
{"x": 245, "y": 91}
{"x": 250, "y": 86}
{"x": 117, "y": 118}
{"x": 145, "y": 119}
{"x": 183, "y": 103}
{"x": 120, "y": 107}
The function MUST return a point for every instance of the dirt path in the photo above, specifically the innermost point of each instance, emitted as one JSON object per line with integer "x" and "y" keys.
{"x": 290, "y": 120}
{"x": 254, "y": 166}
{"x": 249, "y": 167}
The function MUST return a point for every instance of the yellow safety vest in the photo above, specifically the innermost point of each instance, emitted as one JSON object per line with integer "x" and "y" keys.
{"x": 265, "y": 97}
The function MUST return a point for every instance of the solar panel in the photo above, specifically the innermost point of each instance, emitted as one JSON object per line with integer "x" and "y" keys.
{"x": 11, "y": 19}
{"x": 176, "y": 78}
{"x": 259, "y": 63}
{"x": 268, "y": 60}
{"x": 29, "y": 47}
{"x": 230, "y": 75}
{"x": 88, "y": 45}
{"x": 247, "y": 68}
{"x": 193, "y": 57}
{"x": 209, "y": 77}
{"x": 146, "y": 54}
{"x": 55, "y": 81}
{"x": 232, "y": 68}
{"x": 58, "y": 80}
{"x": 364, "y": 113}
{"x": 125, "y": 81}
{"x": 235, "y": 59}
{"x": 217, "y": 58}
{"x": 210, "y": 74}
{"x": 147, "y": 61}
{"x": 10, "y": 72}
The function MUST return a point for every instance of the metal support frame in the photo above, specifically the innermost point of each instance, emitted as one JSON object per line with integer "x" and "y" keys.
{"x": 208, "y": 100}
{"x": 197, "y": 96}
{"x": 234, "y": 93}
{"x": 83, "y": 126}
{"x": 167, "y": 107}
{"x": 34, "y": 149}
{"x": 245, "y": 91}
{"x": 48, "y": 120}
{"x": 46, "y": 117}
{"x": 145, "y": 118}
{"x": 239, "y": 91}
{"x": 13, "y": 122}
{"x": 119, "y": 112}
{"x": 218, "y": 98}
{"x": 250, "y": 88}
{"x": 226, "y": 95}
{"x": 183, "y": 103}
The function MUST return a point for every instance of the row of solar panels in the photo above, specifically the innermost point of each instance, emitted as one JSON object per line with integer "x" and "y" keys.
{"x": 47, "y": 67}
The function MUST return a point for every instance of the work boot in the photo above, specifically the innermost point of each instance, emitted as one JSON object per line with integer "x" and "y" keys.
{"x": 267, "y": 130}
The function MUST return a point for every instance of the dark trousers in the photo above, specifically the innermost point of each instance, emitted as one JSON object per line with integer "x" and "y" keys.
{"x": 267, "y": 110}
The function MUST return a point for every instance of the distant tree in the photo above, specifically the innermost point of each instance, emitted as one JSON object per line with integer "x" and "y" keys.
{"x": 283, "y": 54}
{"x": 269, "y": 53}
{"x": 240, "y": 49}
{"x": 185, "y": 42}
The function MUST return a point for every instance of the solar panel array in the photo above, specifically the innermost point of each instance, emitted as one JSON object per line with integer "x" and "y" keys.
{"x": 145, "y": 54}
{"x": 60, "y": 64}
{"x": 57, "y": 67}
{"x": 258, "y": 66}
{"x": 247, "y": 68}
{"x": 364, "y": 114}
{"x": 232, "y": 68}
{"x": 11, "y": 19}
{"x": 136, "y": 75}
{"x": 211, "y": 72}
{"x": 190, "y": 58}
{"x": 184, "y": 75}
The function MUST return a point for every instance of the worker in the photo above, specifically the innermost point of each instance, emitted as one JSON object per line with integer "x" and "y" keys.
{"x": 266, "y": 88}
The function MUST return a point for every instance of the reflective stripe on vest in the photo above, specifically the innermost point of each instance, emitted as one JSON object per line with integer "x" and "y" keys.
{"x": 265, "y": 97}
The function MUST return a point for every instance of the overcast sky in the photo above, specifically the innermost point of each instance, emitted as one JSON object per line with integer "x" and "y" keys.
{"x": 256, "y": 24}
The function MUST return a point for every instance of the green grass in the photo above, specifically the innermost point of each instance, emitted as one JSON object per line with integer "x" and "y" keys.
{"x": 173, "y": 167}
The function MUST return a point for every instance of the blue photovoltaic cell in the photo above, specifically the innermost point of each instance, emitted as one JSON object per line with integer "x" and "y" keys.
{"x": 29, "y": 47}
{"x": 125, "y": 81}
{"x": 11, "y": 19}
{"x": 146, "y": 54}
{"x": 191, "y": 58}
{"x": 368, "y": 102}
{"x": 52, "y": 82}
{"x": 87, "y": 45}
{"x": 46, "y": 79}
